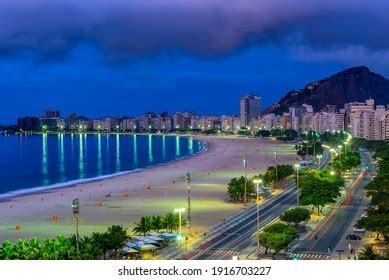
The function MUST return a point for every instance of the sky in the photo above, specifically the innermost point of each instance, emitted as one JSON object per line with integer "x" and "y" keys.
{"x": 126, "y": 57}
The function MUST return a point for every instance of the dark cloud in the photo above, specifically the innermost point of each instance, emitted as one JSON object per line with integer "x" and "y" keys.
{"x": 205, "y": 28}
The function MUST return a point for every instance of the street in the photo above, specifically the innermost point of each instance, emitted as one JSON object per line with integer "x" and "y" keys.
{"x": 240, "y": 237}
{"x": 333, "y": 228}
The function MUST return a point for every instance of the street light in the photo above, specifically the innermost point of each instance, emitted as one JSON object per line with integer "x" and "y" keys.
{"x": 319, "y": 157}
{"x": 340, "y": 150}
{"x": 345, "y": 149}
{"x": 297, "y": 166}
{"x": 276, "y": 163}
{"x": 76, "y": 212}
{"x": 179, "y": 211}
{"x": 189, "y": 187}
{"x": 257, "y": 182}
{"x": 245, "y": 181}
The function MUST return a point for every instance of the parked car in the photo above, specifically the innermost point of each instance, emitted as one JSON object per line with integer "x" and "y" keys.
{"x": 368, "y": 207}
{"x": 353, "y": 237}
{"x": 364, "y": 215}
{"x": 359, "y": 229}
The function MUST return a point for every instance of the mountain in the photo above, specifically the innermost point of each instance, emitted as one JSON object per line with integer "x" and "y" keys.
{"x": 350, "y": 85}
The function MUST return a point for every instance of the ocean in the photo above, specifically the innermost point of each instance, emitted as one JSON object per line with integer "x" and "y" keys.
{"x": 30, "y": 163}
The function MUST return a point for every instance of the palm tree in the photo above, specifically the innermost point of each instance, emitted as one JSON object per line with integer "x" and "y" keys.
{"x": 143, "y": 226}
{"x": 171, "y": 221}
{"x": 7, "y": 251}
{"x": 48, "y": 249}
{"x": 60, "y": 248}
{"x": 22, "y": 250}
{"x": 63, "y": 248}
{"x": 369, "y": 253}
{"x": 89, "y": 250}
{"x": 35, "y": 249}
{"x": 101, "y": 241}
{"x": 117, "y": 236}
{"x": 157, "y": 223}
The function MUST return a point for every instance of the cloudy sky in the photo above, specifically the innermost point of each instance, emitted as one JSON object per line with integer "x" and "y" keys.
{"x": 125, "y": 57}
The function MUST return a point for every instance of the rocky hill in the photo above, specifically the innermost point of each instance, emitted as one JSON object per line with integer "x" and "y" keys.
{"x": 353, "y": 84}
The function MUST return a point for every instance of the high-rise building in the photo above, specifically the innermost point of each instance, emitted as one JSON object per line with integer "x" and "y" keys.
{"x": 28, "y": 123}
{"x": 296, "y": 114}
{"x": 384, "y": 123}
{"x": 325, "y": 121}
{"x": 49, "y": 114}
{"x": 353, "y": 110}
{"x": 250, "y": 108}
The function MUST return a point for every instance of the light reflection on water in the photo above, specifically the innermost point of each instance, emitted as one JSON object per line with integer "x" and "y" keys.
{"x": 81, "y": 157}
{"x": 135, "y": 151}
{"x": 178, "y": 150}
{"x": 45, "y": 159}
{"x": 99, "y": 156}
{"x": 151, "y": 159}
{"x": 65, "y": 157}
{"x": 61, "y": 157}
{"x": 117, "y": 153}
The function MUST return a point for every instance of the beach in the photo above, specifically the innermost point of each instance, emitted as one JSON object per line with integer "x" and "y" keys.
{"x": 123, "y": 199}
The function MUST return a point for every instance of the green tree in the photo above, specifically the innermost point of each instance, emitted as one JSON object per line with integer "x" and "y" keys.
{"x": 60, "y": 248}
{"x": 296, "y": 216}
{"x": 89, "y": 249}
{"x": 7, "y": 251}
{"x": 157, "y": 223}
{"x": 368, "y": 253}
{"x": 102, "y": 242}
{"x": 277, "y": 175}
{"x": 277, "y": 237}
{"x": 276, "y": 133}
{"x": 171, "y": 221}
{"x": 263, "y": 133}
{"x": 319, "y": 188}
{"x": 143, "y": 226}
{"x": 236, "y": 187}
{"x": 343, "y": 164}
{"x": 377, "y": 221}
{"x": 117, "y": 236}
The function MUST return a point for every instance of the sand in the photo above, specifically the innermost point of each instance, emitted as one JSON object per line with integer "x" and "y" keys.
{"x": 158, "y": 190}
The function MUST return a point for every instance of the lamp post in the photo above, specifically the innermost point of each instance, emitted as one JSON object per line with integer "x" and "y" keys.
{"x": 189, "y": 218}
{"x": 76, "y": 212}
{"x": 340, "y": 150}
{"x": 179, "y": 211}
{"x": 276, "y": 162}
{"x": 319, "y": 157}
{"x": 345, "y": 148}
{"x": 257, "y": 182}
{"x": 245, "y": 181}
{"x": 297, "y": 166}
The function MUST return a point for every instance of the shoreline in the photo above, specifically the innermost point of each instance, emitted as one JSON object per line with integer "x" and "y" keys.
{"x": 123, "y": 199}
{"x": 8, "y": 196}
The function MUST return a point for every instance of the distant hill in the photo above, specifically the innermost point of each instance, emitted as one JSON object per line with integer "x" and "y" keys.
{"x": 350, "y": 85}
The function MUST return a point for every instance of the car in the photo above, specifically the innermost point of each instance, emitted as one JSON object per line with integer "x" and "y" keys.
{"x": 364, "y": 215}
{"x": 353, "y": 237}
{"x": 359, "y": 229}
{"x": 368, "y": 207}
